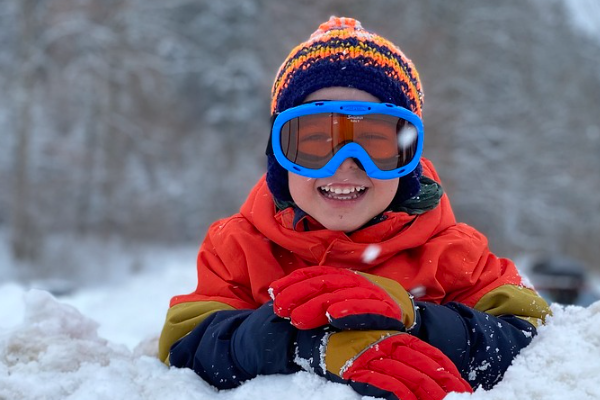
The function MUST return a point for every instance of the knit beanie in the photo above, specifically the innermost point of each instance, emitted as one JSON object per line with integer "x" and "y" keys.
{"x": 341, "y": 53}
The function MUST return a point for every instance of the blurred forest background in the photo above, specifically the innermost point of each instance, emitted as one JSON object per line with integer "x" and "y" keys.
{"x": 139, "y": 122}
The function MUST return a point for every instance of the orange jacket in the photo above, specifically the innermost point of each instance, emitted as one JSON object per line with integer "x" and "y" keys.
{"x": 431, "y": 255}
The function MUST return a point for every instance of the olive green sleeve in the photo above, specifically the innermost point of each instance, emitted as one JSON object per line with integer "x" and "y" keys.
{"x": 182, "y": 319}
{"x": 516, "y": 300}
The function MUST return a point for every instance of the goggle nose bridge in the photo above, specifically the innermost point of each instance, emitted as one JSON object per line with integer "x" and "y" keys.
{"x": 353, "y": 151}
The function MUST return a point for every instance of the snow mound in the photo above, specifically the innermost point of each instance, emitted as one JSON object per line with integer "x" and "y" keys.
{"x": 50, "y": 350}
{"x": 56, "y": 353}
{"x": 563, "y": 361}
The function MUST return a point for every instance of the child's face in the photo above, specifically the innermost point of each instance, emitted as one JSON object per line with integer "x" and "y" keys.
{"x": 359, "y": 198}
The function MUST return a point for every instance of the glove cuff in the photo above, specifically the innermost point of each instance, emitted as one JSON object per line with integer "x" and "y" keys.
{"x": 327, "y": 352}
{"x": 400, "y": 295}
{"x": 345, "y": 347}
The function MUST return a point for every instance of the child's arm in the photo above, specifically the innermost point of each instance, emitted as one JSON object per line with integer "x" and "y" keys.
{"x": 214, "y": 294}
{"x": 223, "y": 284}
{"x": 480, "y": 344}
{"x": 232, "y": 346}
{"x": 223, "y": 330}
{"x": 483, "y": 323}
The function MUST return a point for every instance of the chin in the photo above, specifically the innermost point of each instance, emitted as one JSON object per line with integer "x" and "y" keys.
{"x": 341, "y": 226}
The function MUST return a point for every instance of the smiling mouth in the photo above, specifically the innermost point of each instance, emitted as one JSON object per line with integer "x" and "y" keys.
{"x": 342, "y": 193}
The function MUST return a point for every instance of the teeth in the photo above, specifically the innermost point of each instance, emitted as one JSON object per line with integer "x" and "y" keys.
{"x": 345, "y": 190}
{"x": 345, "y": 193}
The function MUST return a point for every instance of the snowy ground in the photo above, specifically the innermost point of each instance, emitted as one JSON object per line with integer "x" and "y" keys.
{"x": 100, "y": 344}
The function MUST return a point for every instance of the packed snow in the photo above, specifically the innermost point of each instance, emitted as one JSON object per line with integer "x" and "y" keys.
{"x": 101, "y": 343}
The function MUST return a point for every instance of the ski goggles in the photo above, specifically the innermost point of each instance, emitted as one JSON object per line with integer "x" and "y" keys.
{"x": 313, "y": 139}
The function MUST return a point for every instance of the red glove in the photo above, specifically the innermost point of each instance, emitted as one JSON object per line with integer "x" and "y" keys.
{"x": 376, "y": 364}
{"x": 317, "y": 296}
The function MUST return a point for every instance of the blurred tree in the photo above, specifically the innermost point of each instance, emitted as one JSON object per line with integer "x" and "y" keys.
{"x": 147, "y": 119}
{"x": 25, "y": 236}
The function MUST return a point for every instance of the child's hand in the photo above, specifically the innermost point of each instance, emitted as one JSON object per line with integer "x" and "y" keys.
{"x": 392, "y": 365}
{"x": 317, "y": 296}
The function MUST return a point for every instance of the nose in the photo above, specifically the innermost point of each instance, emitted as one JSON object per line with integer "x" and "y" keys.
{"x": 350, "y": 164}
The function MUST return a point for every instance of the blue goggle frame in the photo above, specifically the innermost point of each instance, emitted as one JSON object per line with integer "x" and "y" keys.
{"x": 349, "y": 150}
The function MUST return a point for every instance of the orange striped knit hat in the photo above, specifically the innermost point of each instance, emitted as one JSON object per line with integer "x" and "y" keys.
{"x": 342, "y": 53}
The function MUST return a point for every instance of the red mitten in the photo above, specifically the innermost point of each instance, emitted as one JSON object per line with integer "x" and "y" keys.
{"x": 399, "y": 366}
{"x": 317, "y": 296}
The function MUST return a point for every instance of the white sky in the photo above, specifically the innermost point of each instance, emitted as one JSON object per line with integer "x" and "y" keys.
{"x": 586, "y": 16}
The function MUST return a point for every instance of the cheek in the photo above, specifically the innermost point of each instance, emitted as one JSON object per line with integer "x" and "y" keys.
{"x": 386, "y": 189}
{"x": 387, "y": 186}
{"x": 300, "y": 187}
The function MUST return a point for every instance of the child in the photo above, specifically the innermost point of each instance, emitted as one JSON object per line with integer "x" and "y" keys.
{"x": 346, "y": 259}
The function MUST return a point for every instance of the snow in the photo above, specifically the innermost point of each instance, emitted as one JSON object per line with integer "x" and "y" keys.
{"x": 100, "y": 343}
{"x": 371, "y": 253}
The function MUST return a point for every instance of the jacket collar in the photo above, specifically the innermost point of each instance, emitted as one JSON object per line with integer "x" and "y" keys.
{"x": 398, "y": 231}
{"x": 318, "y": 245}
